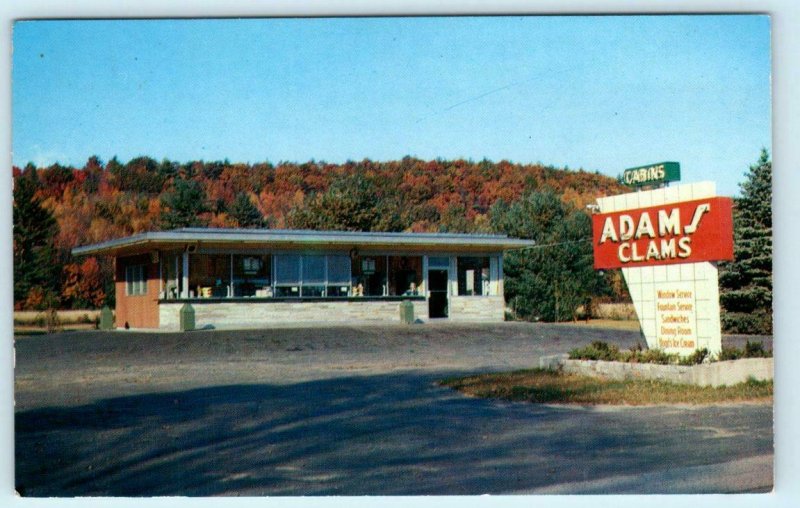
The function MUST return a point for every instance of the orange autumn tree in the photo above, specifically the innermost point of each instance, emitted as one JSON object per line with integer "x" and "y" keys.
{"x": 105, "y": 200}
{"x": 83, "y": 284}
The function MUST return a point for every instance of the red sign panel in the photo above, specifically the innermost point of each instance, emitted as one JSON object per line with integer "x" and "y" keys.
{"x": 687, "y": 232}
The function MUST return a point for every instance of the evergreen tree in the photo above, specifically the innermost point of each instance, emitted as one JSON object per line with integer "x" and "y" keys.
{"x": 184, "y": 206}
{"x": 746, "y": 282}
{"x": 36, "y": 271}
{"x": 550, "y": 281}
{"x": 245, "y": 213}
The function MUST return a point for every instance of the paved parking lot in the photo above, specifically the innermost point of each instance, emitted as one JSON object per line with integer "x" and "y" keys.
{"x": 351, "y": 411}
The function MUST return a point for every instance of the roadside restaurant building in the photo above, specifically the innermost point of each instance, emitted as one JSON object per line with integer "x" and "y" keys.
{"x": 246, "y": 278}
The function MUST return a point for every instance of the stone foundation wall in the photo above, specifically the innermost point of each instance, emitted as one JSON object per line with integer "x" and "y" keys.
{"x": 712, "y": 374}
{"x": 477, "y": 308}
{"x": 222, "y": 315}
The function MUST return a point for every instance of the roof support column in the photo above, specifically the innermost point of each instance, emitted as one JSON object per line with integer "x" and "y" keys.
{"x": 185, "y": 274}
{"x": 500, "y": 276}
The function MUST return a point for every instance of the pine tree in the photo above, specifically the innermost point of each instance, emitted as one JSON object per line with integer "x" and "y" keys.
{"x": 185, "y": 206}
{"x": 245, "y": 213}
{"x": 35, "y": 261}
{"x": 746, "y": 282}
{"x": 550, "y": 281}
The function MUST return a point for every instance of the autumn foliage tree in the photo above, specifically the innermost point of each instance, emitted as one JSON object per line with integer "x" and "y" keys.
{"x": 105, "y": 200}
{"x": 83, "y": 284}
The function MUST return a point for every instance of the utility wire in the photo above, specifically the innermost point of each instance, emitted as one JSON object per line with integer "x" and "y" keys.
{"x": 555, "y": 244}
{"x": 559, "y": 243}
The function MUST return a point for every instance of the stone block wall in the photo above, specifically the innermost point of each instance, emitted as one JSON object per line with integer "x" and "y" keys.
{"x": 229, "y": 315}
{"x": 477, "y": 308}
{"x": 713, "y": 374}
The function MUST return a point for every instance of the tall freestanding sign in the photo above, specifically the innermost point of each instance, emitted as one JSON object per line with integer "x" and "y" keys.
{"x": 667, "y": 242}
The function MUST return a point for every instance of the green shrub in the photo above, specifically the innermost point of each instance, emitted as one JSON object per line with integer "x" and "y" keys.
{"x": 597, "y": 350}
{"x": 657, "y": 356}
{"x": 695, "y": 358}
{"x": 755, "y": 350}
{"x": 755, "y": 323}
{"x": 729, "y": 353}
{"x": 751, "y": 350}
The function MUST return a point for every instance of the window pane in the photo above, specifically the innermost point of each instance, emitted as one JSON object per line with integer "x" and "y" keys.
{"x": 338, "y": 270}
{"x": 251, "y": 275}
{"x": 129, "y": 280}
{"x": 287, "y": 269}
{"x": 313, "y": 269}
{"x": 287, "y": 291}
{"x": 439, "y": 262}
{"x": 135, "y": 280}
{"x": 338, "y": 290}
{"x": 209, "y": 275}
{"x": 473, "y": 276}
{"x": 369, "y": 276}
{"x": 140, "y": 280}
{"x": 171, "y": 264}
{"x": 405, "y": 274}
{"x": 313, "y": 290}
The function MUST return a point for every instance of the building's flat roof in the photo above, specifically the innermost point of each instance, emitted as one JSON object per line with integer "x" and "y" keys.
{"x": 289, "y": 238}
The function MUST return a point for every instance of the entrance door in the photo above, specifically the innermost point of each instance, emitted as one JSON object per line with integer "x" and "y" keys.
{"x": 437, "y": 293}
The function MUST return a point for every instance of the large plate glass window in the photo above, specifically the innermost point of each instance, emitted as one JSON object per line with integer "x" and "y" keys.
{"x": 369, "y": 275}
{"x": 313, "y": 276}
{"x": 473, "y": 276}
{"x": 287, "y": 275}
{"x": 251, "y": 275}
{"x": 338, "y": 276}
{"x": 405, "y": 275}
{"x": 209, "y": 275}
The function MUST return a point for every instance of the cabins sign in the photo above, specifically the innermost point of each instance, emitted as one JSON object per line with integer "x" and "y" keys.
{"x": 686, "y": 232}
{"x": 652, "y": 174}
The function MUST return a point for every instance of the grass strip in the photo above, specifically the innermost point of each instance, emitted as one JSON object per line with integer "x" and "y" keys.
{"x": 545, "y": 386}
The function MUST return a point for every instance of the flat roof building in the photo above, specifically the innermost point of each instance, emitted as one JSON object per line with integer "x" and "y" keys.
{"x": 245, "y": 278}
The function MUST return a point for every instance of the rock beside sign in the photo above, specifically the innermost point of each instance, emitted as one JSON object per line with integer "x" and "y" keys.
{"x": 714, "y": 374}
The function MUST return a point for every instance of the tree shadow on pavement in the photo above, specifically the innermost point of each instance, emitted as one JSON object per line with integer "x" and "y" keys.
{"x": 391, "y": 434}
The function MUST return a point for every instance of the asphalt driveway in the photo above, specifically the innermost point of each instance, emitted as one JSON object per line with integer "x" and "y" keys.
{"x": 351, "y": 411}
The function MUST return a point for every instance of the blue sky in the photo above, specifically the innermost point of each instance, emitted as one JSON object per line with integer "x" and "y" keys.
{"x": 601, "y": 93}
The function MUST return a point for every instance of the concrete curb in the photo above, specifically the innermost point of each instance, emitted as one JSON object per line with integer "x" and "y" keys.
{"x": 712, "y": 374}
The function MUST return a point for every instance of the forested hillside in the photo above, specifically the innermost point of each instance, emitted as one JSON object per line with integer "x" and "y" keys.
{"x": 105, "y": 200}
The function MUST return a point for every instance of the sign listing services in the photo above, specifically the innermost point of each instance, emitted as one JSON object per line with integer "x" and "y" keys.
{"x": 676, "y": 317}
